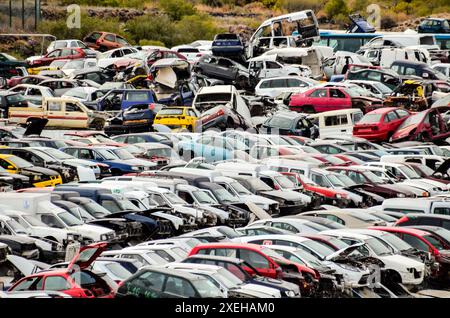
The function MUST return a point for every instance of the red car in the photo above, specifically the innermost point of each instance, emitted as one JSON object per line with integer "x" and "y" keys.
{"x": 158, "y": 54}
{"x": 75, "y": 280}
{"x": 323, "y": 99}
{"x": 379, "y": 125}
{"x": 330, "y": 196}
{"x": 424, "y": 241}
{"x": 427, "y": 125}
{"x": 29, "y": 79}
{"x": 60, "y": 54}
{"x": 267, "y": 262}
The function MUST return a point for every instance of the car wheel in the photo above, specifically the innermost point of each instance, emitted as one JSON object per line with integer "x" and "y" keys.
{"x": 99, "y": 125}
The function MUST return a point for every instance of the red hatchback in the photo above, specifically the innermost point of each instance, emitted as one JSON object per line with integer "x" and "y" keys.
{"x": 69, "y": 53}
{"x": 379, "y": 125}
{"x": 75, "y": 280}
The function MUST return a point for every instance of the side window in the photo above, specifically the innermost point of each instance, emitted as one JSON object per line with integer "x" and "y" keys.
{"x": 319, "y": 179}
{"x": 4, "y": 164}
{"x": 285, "y": 226}
{"x": 154, "y": 281}
{"x": 110, "y": 37}
{"x": 272, "y": 65}
{"x": 56, "y": 283}
{"x": 319, "y": 93}
{"x": 71, "y": 107}
{"x": 54, "y": 106}
{"x": 178, "y": 286}
{"x": 85, "y": 154}
{"x": 32, "y": 283}
{"x": 254, "y": 258}
{"x": 336, "y": 93}
{"x": 334, "y": 218}
{"x": 268, "y": 181}
{"x": 429, "y": 221}
{"x": 415, "y": 242}
{"x": 186, "y": 196}
{"x": 51, "y": 220}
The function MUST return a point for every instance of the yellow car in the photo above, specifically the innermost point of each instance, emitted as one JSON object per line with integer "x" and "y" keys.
{"x": 177, "y": 117}
{"x": 39, "y": 177}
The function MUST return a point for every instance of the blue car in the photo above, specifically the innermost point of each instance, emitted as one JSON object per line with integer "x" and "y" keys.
{"x": 211, "y": 147}
{"x": 227, "y": 44}
{"x": 121, "y": 99}
{"x": 103, "y": 155}
{"x": 434, "y": 25}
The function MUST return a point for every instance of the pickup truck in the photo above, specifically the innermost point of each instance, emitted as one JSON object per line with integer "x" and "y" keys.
{"x": 61, "y": 113}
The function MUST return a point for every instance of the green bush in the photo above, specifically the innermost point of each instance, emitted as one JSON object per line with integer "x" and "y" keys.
{"x": 333, "y": 8}
{"x": 106, "y": 3}
{"x": 177, "y": 9}
{"x": 88, "y": 24}
{"x": 159, "y": 28}
{"x": 299, "y": 5}
{"x": 195, "y": 27}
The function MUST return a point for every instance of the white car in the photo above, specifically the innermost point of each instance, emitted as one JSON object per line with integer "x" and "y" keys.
{"x": 170, "y": 253}
{"x": 112, "y": 269}
{"x": 377, "y": 88}
{"x": 59, "y": 44}
{"x": 34, "y": 94}
{"x": 109, "y": 57}
{"x": 273, "y": 87}
{"x": 403, "y": 269}
{"x": 444, "y": 68}
{"x": 184, "y": 243}
{"x": 143, "y": 257}
{"x": 80, "y": 64}
{"x": 192, "y": 54}
{"x": 266, "y": 66}
{"x": 338, "y": 64}
{"x": 35, "y": 227}
{"x": 295, "y": 226}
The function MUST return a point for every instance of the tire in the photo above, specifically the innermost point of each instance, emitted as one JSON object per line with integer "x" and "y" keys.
{"x": 98, "y": 124}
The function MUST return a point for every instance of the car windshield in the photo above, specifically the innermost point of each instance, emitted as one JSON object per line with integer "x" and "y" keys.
{"x": 345, "y": 180}
{"x": 19, "y": 162}
{"x": 57, "y": 154}
{"x": 336, "y": 180}
{"x": 171, "y": 111}
{"x": 16, "y": 227}
{"x": 370, "y": 119}
{"x": 96, "y": 209}
{"x": 437, "y": 151}
{"x": 74, "y": 64}
{"x": 228, "y": 279}
{"x": 420, "y": 168}
{"x": 69, "y": 219}
{"x": 258, "y": 185}
{"x": 228, "y": 232}
{"x": 338, "y": 243}
{"x": 285, "y": 183}
{"x": 413, "y": 120}
{"x": 309, "y": 258}
{"x": 382, "y": 88}
{"x": 372, "y": 177}
{"x": 106, "y": 154}
{"x": 410, "y": 173}
{"x": 118, "y": 270}
{"x": 239, "y": 188}
{"x": 280, "y": 122}
{"x": 204, "y": 197}
{"x": 320, "y": 249}
{"x": 316, "y": 227}
{"x": 77, "y": 93}
{"x": 223, "y": 196}
{"x": 44, "y": 156}
{"x": 207, "y": 289}
{"x": 122, "y": 154}
{"x": 395, "y": 241}
{"x": 444, "y": 233}
{"x": 378, "y": 247}
{"x": 174, "y": 199}
{"x": 217, "y": 98}
{"x": 14, "y": 98}
{"x": 32, "y": 220}
{"x": 434, "y": 241}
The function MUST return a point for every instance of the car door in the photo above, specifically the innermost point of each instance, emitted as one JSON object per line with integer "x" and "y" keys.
{"x": 55, "y": 113}
{"x": 390, "y": 121}
{"x": 337, "y": 99}
{"x": 318, "y": 99}
{"x": 61, "y": 284}
{"x": 273, "y": 69}
{"x": 75, "y": 116}
{"x": 54, "y": 55}
{"x": 177, "y": 287}
{"x": 259, "y": 261}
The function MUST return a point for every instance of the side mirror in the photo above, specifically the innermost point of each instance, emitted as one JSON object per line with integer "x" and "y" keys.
{"x": 10, "y": 168}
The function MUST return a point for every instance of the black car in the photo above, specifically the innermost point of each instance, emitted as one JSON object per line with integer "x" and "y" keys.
{"x": 290, "y": 123}
{"x": 386, "y": 76}
{"x": 221, "y": 68}
{"x": 9, "y": 65}
{"x": 11, "y": 99}
{"x": 21, "y": 246}
{"x": 228, "y": 44}
{"x": 236, "y": 266}
{"x": 157, "y": 282}
{"x": 419, "y": 69}
{"x": 41, "y": 159}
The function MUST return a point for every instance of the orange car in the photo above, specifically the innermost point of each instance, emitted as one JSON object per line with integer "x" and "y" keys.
{"x": 104, "y": 41}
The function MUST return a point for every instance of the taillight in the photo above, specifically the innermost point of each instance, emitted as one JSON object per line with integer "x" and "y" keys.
{"x": 150, "y": 78}
{"x": 199, "y": 55}
{"x": 151, "y": 106}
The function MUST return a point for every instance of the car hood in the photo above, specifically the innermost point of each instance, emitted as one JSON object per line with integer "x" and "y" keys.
{"x": 258, "y": 199}
{"x": 344, "y": 252}
{"x": 25, "y": 266}
{"x": 40, "y": 170}
{"x": 402, "y": 261}
{"x": 80, "y": 162}
{"x": 286, "y": 195}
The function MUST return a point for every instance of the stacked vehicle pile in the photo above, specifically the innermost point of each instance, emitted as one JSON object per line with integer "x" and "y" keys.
{"x": 226, "y": 169}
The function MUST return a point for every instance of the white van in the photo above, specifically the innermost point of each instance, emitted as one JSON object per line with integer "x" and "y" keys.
{"x": 336, "y": 122}
{"x": 384, "y": 57}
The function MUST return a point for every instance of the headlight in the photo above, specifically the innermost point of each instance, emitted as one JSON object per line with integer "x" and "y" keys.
{"x": 290, "y": 293}
{"x": 401, "y": 195}
{"x": 135, "y": 168}
{"x": 37, "y": 177}
{"x": 425, "y": 194}
{"x": 104, "y": 237}
{"x": 338, "y": 196}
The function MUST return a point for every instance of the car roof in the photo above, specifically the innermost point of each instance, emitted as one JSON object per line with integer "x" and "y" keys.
{"x": 401, "y": 229}
{"x": 383, "y": 110}
{"x": 172, "y": 272}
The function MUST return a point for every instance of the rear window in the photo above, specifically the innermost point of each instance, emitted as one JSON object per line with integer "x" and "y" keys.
{"x": 370, "y": 118}
{"x": 136, "y": 96}
{"x": 171, "y": 111}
